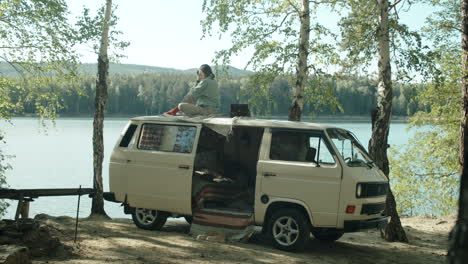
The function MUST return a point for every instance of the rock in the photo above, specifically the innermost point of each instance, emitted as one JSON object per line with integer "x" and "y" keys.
{"x": 36, "y": 237}
{"x": 42, "y": 217}
{"x": 10, "y": 254}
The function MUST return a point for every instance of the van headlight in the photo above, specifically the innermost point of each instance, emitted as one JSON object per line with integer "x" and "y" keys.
{"x": 358, "y": 190}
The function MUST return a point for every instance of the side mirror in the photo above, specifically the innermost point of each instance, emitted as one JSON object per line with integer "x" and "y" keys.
{"x": 310, "y": 156}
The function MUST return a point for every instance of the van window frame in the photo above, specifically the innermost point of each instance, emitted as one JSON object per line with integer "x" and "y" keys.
{"x": 319, "y": 133}
{"x": 137, "y": 145}
{"x": 128, "y": 135}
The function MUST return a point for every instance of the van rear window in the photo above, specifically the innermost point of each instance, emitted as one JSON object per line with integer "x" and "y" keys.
{"x": 128, "y": 136}
{"x": 171, "y": 138}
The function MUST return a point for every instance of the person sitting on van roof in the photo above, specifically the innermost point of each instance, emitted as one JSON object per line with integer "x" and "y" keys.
{"x": 203, "y": 98}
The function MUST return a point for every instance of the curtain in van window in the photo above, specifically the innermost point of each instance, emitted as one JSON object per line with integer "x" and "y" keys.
{"x": 170, "y": 138}
{"x": 184, "y": 139}
{"x": 150, "y": 137}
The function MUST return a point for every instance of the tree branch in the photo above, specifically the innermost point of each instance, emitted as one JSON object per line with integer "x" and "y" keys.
{"x": 294, "y": 6}
{"x": 14, "y": 66}
{"x": 323, "y": 2}
{"x": 277, "y": 27}
{"x": 18, "y": 47}
{"x": 438, "y": 174}
{"x": 394, "y": 4}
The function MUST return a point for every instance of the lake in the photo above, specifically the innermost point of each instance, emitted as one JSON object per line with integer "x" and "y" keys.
{"x": 61, "y": 156}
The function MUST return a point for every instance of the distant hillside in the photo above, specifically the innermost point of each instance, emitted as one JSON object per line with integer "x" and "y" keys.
{"x": 91, "y": 68}
{"x": 232, "y": 71}
{"x": 114, "y": 68}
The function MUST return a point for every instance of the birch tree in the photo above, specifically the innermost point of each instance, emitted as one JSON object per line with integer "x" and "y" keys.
{"x": 97, "y": 207}
{"x": 284, "y": 42}
{"x": 381, "y": 125}
{"x": 370, "y": 30}
{"x": 458, "y": 246}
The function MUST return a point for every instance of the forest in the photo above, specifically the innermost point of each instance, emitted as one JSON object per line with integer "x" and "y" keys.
{"x": 152, "y": 93}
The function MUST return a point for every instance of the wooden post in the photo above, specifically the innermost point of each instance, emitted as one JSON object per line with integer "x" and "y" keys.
{"x": 25, "y": 209}
{"x": 19, "y": 207}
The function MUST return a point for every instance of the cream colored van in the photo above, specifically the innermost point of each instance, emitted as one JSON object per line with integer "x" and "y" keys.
{"x": 291, "y": 178}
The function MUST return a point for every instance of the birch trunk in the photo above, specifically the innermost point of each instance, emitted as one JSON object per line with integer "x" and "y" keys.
{"x": 97, "y": 207}
{"x": 295, "y": 111}
{"x": 379, "y": 141}
{"x": 458, "y": 246}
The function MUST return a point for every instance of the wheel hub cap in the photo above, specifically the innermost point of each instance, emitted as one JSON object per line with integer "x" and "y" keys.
{"x": 146, "y": 216}
{"x": 286, "y": 231}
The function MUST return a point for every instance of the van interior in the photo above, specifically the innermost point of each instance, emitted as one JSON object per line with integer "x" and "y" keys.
{"x": 225, "y": 172}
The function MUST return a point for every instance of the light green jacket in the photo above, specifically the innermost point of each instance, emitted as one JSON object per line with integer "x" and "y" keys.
{"x": 206, "y": 93}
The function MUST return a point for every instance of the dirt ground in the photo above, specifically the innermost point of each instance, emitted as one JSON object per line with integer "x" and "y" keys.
{"x": 120, "y": 241}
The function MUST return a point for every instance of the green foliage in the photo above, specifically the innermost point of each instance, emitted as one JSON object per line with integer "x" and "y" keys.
{"x": 431, "y": 158}
{"x": 269, "y": 30}
{"x": 359, "y": 31}
{"x": 37, "y": 41}
{"x": 426, "y": 171}
{"x": 90, "y": 28}
{"x": 3, "y": 168}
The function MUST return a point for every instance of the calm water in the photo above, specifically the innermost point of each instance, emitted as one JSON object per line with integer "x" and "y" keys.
{"x": 61, "y": 157}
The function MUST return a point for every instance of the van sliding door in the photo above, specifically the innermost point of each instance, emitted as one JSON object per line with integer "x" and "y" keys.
{"x": 163, "y": 165}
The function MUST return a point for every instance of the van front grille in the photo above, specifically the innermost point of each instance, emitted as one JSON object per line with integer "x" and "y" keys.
{"x": 371, "y": 209}
{"x": 374, "y": 189}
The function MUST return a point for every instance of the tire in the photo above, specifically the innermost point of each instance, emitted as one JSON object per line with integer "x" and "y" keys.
{"x": 289, "y": 230}
{"x": 149, "y": 219}
{"x": 327, "y": 235}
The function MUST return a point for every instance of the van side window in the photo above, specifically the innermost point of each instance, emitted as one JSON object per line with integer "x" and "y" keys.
{"x": 171, "y": 138}
{"x": 325, "y": 156}
{"x": 128, "y": 136}
{"x": 299, "y": 146}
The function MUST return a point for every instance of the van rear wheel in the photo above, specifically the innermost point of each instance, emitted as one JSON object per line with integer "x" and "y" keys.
{"x": 149, "y": 219}
{"x": 289, "y": 230}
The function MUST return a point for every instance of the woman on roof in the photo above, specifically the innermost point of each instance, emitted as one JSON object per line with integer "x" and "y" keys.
{"x": 203, "y": 98}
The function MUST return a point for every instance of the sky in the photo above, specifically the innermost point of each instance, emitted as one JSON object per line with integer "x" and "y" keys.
{"x": 168, "y": 34}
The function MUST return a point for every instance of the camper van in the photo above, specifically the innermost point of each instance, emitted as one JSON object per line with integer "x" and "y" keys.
{"x": 291, "y": 178}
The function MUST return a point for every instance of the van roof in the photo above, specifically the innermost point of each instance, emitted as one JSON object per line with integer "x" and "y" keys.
{"x": 235, "y": 121}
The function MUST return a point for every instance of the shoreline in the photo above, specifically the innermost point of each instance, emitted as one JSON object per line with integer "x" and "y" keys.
{"x": 325, "y": 119}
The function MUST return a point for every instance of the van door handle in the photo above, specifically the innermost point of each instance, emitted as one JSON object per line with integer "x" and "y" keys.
{"x": 186, "y": 167}
{"x": 268, "y": 174}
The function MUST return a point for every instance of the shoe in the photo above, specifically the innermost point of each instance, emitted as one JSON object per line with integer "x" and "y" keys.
{"x": 173, "y": 111}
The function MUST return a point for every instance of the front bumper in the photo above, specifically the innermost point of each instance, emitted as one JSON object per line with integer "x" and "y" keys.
{"x": 357, "y": 225}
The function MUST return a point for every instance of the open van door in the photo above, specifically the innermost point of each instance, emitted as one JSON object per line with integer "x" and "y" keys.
{"x": 159, "y": 166}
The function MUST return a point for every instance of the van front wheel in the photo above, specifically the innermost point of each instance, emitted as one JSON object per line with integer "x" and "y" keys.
{"x": 149, "y": 219}
{"x": 289, "y": 230}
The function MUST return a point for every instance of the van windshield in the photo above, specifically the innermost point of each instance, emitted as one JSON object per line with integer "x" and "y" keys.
{"x": 349, "y": 148}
